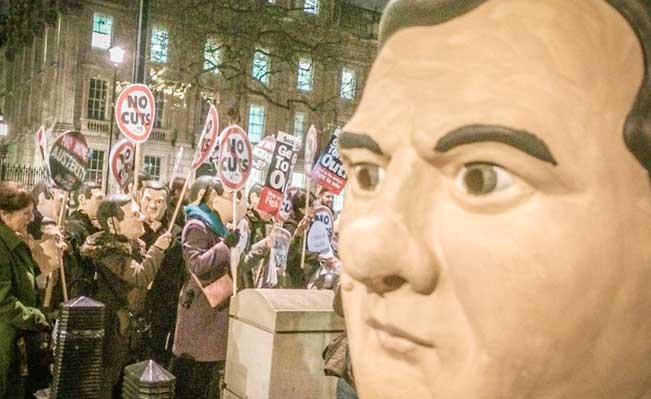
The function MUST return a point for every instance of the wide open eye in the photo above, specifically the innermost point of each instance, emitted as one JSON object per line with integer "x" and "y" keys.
{"x": 483, "y": 178}
{"x": 367, "y": 176}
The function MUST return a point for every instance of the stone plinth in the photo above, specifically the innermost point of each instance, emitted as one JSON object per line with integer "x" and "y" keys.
{"x": 275, "y": 342}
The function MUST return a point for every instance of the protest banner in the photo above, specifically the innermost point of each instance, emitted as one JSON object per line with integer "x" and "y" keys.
{"x": 208, "y": 138}
{"x": 205, "y": 149}
{"x": 68, "y": 162}
{"x": 122, "y": 162}
{"x": 278, "y": 175}
{"x": 235, "y": 156}
{"x": 317, "y": 239}
{"x": 286, "y": 207}
{"x": 135, "y": 112}
{"x": 324, "y": 215}
{"x": 263, "y": 152}
{"x": 329, "y": 171}
{"x": 310, "y": 150}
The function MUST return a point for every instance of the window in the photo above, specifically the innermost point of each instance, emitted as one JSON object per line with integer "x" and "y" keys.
{"x": 260, "y": 70}
{"x": 212, "y": 55}
{"x": 348, "y": 84}
{"x": 256, "y": 123}
{"x": 95, "y": 166}
{"x": 97, "y": 100}
{"x": 159, "y": 45}
{"x": 305, "y": 74}
{"x": 311, "y": 6}
{"x": 298, "y": 180}
{"x": 102, "y": 27}
{"x": 300, "y": 119}
{"x": 159, "y": 99}
{"x": 152, "y": 166}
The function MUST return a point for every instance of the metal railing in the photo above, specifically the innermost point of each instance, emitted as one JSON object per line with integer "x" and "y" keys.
{"x": 26, "y": 174}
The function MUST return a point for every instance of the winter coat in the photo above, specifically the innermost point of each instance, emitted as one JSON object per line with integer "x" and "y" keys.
{"x": 80, "y": 271}
{"x": 18, "y": 305}
{"x": 163, "y": 297}
{"x": 124, "y": 271}
{"x": 201, "y": 331}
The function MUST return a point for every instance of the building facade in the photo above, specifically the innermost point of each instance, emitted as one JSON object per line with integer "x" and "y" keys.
{"x": 64, "y": 80}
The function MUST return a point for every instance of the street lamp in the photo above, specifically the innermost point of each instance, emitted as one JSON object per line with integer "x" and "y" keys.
{"x": 116, "y": 55}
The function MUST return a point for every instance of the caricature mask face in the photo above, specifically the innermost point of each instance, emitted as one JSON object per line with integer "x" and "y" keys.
{"x": 89, "y": 205}
{"x": 131, "y": 226}
{"x": 154, "y": 204}
{"x": 223, "y": 205}
{"x": 51, "y": 208}
{"x": 48, "y": 251}
{"x": 507, "y": 228}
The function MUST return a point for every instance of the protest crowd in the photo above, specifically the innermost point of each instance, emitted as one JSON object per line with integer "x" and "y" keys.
{"x": 154, "y": 254}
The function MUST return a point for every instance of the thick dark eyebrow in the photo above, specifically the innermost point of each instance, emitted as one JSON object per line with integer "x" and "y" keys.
{"x": 349, "y": 141}
{"x": 519, "y": 139}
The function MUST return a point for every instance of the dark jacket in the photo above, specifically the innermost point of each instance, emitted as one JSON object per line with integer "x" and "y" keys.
{"x": 163, "y": 296}
{"x": 256, "y": 252}
{"x": 18, "y": 304}
{"x": 124, "y": 271}
{"x": 80, "y": 270}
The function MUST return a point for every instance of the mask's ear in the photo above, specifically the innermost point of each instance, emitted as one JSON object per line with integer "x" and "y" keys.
{"x": 113, "y": 225}
{"x": 81, "y": 200}
{"x": 200, "y": 195}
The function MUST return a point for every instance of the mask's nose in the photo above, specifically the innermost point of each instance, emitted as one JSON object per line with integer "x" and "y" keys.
{"x": 381, "y": 253}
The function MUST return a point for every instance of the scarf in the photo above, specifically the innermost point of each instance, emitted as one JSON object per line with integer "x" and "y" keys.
{"x": 209, "y": 217}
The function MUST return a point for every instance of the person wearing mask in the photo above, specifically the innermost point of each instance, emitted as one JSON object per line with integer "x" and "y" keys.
{"x": 82, "y": 223}
{"x": 201, "y": 330}
{"x": 19, "y": 302}
{"x": 124, "y": 271}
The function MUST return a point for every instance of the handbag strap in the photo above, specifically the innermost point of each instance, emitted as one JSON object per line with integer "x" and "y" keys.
{"x": 196, "y": 280}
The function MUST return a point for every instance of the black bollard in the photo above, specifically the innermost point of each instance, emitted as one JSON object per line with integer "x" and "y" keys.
{"x": 77, "y": 364}
{"x": 147, "y": 380}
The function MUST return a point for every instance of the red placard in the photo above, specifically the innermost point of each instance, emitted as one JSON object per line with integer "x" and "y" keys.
{"x": 209, "y": 136}
{"x": 235, "y": 156}
{"x": 135, "y": 112}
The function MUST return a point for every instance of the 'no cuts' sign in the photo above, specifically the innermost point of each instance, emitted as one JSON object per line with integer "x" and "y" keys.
{"x": 208, "y": 139}
{"x": 135, "y": 112}
{"x": 122, "y": 161}
{"x": 234, "y": 158}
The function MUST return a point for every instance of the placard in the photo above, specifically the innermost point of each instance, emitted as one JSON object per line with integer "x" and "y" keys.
{"x": 323, "y": 214}
{"x": 263, "y": 152}
{"x": 278, "y": 175}
{"x": 329, "y": 171}
{"x": 310, "y": 149}
{"x": 234, "y": 158}
{"x": 208, "y": 138}
{"x": 317, "y": 239}
{"x": 68, "y": 160}
{"x": 122, "y": 161}
{"x": 135, "y": 112}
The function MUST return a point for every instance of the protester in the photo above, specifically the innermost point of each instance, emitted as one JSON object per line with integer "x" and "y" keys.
{"x": 257, "y": 250}
{"x": 297, "y": 224}
{"x": 326, "y": 198}
{"x": 162, "y": 299}
{"x": 201, "y": 330}
{"x": 500, "y": 245}
{"x": 19, "y": 304}
{"x": 49, "y": 201}
{"x": 124, "y": 271}
{"x": 80, "y": 224}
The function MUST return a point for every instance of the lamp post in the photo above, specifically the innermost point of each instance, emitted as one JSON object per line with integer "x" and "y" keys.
{"x": 116, "y": 55}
